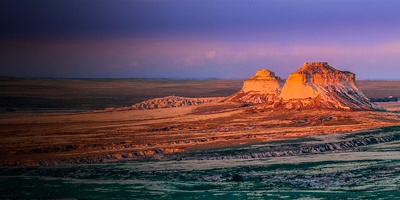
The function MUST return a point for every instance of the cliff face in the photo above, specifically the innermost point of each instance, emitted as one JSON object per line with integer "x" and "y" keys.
{"x": 263, "y": 87}
{"x": 263, "y": 82}
{"x": 319, "y": 85}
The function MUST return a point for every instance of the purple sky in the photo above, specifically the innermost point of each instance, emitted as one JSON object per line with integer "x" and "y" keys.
{"x": 196, "y": 39}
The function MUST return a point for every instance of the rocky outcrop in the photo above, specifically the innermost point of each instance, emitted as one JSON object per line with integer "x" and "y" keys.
{"x": 165, "y": 102}
{"x": 319, "y": 85}
{"x": 173, "y": 101}
{"x": 263, "y": 87}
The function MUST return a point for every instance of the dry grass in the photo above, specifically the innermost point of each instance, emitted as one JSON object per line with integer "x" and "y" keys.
{"x": 56, "y": 136}
{"x": 40, "y": 95}
{"x": 89, "y": 94}
{"x": 147, "y": 132}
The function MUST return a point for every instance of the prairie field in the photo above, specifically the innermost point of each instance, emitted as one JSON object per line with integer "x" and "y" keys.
{"x": 76, "y": 95}
{"x": 59, "y": 142}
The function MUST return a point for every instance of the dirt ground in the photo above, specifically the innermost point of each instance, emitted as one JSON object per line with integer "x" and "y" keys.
{"x": 32, "y": 139}
{"x": 46, "y": 127}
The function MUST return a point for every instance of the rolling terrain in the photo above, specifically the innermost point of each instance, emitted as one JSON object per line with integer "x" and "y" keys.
{"x": 214, "y": 150}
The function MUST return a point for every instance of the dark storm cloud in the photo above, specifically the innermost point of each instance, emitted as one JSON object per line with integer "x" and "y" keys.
{"x": 62, "y": 18}
{"x": 193, "y": 38}
{"x": 102, "y": 17}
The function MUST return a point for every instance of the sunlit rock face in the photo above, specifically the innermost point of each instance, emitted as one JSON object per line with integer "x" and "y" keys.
{"x": 263, "y": 87}
{"x": 319, "y": 85}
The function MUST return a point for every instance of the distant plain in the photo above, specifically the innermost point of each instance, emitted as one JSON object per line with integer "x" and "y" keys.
{"x": 54, "y": 95}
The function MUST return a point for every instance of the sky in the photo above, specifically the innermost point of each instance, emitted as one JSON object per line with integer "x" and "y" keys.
{"x": 228, "y": 39}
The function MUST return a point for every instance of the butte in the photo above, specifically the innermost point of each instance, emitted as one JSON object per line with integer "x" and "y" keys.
{"x": 263, "y": 87}
{"x": 319, "y": 85}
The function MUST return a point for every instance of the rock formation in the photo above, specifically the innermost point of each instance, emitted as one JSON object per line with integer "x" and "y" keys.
{"x": 263, "y": 87}
{"x": 319, "y": 85}
{"x": 173, "y": 101}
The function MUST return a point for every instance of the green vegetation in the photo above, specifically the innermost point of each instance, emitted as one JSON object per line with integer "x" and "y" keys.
{"x": 349, "y": 174}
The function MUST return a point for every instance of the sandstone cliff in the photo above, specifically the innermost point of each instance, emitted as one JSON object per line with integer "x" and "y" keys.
{"x": 263, "y": 87}
{"x": 319, "y": 85}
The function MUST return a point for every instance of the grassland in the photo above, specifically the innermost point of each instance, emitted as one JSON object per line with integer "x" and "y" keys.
{"x": 55, "y": 95}
{"x": 364, "y": 172}
{"x": 49, "y": 148}
{"x": 49, "y": 95}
